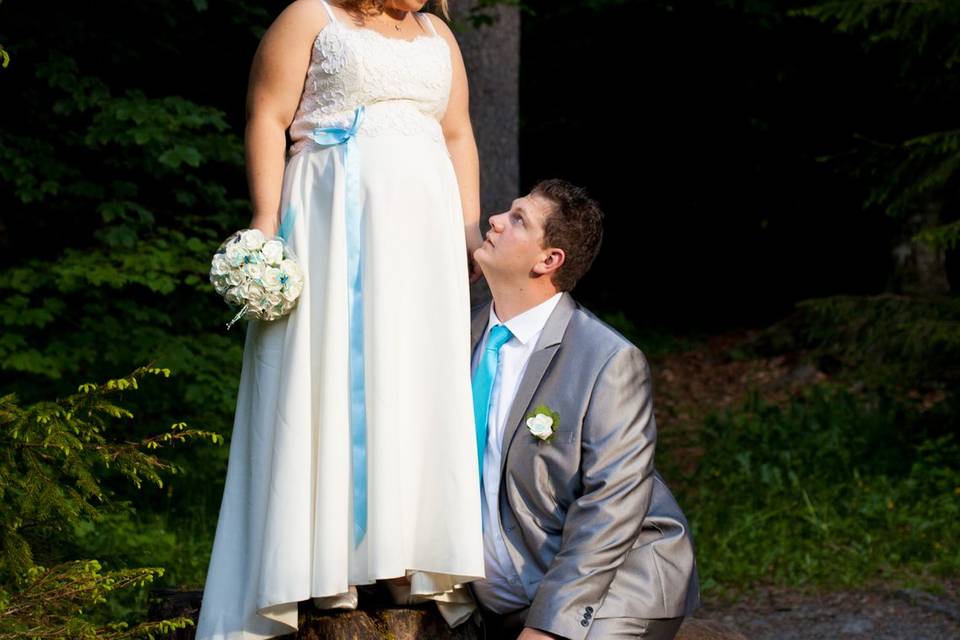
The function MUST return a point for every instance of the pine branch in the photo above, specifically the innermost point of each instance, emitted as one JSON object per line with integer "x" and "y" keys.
{"x": 53, "y": 456}
{"x": 50, "y": 602}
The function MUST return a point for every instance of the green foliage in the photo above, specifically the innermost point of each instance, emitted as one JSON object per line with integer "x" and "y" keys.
{"x": 834, "y": 489}
{"x": 885, "y": 340}
{"x": 123, "y": 537}
{"x": 652, "y": 341}
{"x": 121, "y": 170}
{"x": 55, "y": 458}
{"x": 482, "y": 13}
{"x": 53, "y": 454}
{"x": 919, "y": 25}
{"x": 918, "y": 169}
{"x": 853, "y": 480}
{"x": 51, "y": 602}
{"x": 116, "y": 185}
{"x": 135, "y": 187}
{"x": 943, "y": 237}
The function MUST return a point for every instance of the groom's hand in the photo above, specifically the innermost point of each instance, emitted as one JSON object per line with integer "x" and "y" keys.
{"x": 535, "y": 634}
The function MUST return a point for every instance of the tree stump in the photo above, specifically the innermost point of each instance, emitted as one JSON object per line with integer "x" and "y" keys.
{"x": 375, "y": 620}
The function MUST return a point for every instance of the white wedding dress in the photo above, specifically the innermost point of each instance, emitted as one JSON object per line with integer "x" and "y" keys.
{"x": 285, "y": 529}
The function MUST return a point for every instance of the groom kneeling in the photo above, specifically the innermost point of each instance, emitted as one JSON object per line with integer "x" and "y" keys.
{"x": 582, "y": 538}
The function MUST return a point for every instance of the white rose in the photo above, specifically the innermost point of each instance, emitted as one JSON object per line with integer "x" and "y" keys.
{"x": 273, "y": 251}
{"x": 253, "y": 270}
{"x": 219, "y": 265}
{"x": 269, "y": 313}
{"x": 253, "y": 296}
{"x": 291, "y": 268}
{"x": 252, "y": 291}
{"x": 274, "y": 299}
{"x": 541, "y": 426}
{"x": 292, "y": 290}
{"x": 235, "y": 254}
{"x": 233, "y": 296}
{"x": 235, "y": 277}
{"x": 252, "y": 239}
{"x": 220, "y": 284}
{"x": 271, "y": 279}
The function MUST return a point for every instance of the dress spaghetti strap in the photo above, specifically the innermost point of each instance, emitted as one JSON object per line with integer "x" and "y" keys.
{"x": 426, "y": 18}
{"x": 329, "y": 10}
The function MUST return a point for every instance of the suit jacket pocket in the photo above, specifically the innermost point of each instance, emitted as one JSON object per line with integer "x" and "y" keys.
{"x": 560, "y": 437}
{"x": 547, "y": 472}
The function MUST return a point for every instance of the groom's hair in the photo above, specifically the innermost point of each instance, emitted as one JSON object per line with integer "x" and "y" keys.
{"x": 575, "y": 224}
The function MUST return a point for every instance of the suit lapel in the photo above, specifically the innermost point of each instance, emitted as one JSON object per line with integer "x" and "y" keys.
{"x": 478, "y": 325}
{"x": 540, "y": 359}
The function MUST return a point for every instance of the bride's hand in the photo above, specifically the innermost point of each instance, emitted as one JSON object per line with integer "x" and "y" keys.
{"x": 473, "y": 269}
{"x": 474, "y": 240}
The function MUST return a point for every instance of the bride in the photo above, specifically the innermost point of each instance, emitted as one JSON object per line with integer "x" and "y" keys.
{"x": 353, "y": 455}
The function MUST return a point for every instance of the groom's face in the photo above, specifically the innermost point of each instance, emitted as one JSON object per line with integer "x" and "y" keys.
{"x": 514, "y": 243}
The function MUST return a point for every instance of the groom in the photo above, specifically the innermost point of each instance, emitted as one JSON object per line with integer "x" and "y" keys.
{"x": 582, "y": 538}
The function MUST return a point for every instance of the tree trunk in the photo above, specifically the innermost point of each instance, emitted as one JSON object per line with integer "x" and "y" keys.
{"x": 491, "y": 54}
{"x": 919, "y": 268}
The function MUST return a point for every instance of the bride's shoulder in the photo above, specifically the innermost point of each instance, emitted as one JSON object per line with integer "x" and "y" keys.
{"x": 308, "y": 7}
{"x": 443, "y": 30}
{"x": 302, "y": 15}
{"x": 440, "y": 25}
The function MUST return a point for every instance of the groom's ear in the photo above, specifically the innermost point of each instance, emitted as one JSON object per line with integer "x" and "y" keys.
{"x": 552, "y": 261}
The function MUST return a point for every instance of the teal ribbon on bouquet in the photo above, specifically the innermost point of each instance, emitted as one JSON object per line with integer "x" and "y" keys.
{"x": 329, "y": 137}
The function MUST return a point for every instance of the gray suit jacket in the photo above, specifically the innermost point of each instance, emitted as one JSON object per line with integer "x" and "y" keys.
{"x": 591, "y": 527}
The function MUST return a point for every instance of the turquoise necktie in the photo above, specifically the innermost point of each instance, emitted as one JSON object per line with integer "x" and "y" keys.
{"x": 483, "y": 379}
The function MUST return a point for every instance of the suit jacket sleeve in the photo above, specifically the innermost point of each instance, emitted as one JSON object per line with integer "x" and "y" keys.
{"x": 617, "y": 449}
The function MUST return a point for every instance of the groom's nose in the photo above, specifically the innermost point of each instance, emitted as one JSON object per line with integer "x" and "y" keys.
{"x": 496, "y": 221}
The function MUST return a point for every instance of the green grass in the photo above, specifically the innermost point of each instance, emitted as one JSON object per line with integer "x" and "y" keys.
{"x": 835, "y": 489}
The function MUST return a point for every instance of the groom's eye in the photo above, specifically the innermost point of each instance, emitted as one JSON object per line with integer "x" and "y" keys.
{"x": 516, "y": 217}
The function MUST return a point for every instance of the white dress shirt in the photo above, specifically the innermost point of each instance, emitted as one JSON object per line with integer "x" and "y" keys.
{"x": 502, "y": 591}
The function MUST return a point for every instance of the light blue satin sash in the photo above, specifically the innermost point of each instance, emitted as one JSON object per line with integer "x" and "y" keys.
{"x": 328, "y": 137}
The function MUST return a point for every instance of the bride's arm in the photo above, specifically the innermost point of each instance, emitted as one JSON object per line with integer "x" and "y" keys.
{"x": 276, "y": 82}
{"x": 458, "y": 133}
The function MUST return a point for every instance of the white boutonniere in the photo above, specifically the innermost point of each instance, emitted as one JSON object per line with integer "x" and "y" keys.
{"x": 543, "y": 423}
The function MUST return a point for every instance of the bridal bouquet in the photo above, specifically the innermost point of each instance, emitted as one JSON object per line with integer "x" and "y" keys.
{"x": 261, "y": 276}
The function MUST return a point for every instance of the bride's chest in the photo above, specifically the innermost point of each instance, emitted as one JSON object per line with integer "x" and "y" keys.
{"x": 364, "y": 61}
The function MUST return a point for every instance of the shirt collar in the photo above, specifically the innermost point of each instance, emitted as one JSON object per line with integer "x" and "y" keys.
{"x": 531, "y": 322}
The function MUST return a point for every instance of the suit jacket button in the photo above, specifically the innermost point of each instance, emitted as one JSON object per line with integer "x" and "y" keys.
{"x": 589, "y": 609}
{"x": 587, "y": 615}
{"x": 584, "y": 623}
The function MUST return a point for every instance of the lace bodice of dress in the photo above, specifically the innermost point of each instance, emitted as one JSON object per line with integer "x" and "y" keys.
{"x": 404, "y": 85}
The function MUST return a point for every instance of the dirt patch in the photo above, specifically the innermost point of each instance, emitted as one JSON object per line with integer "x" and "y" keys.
{"x": 877, "y": 613}
{"x": 717, "y": 376}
